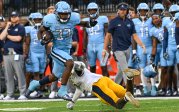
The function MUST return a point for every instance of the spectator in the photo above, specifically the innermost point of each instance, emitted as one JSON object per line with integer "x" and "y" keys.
{"x": 2, "y": 77}
{"x": 13, "y": 35}
{"x": 50, "y": 10}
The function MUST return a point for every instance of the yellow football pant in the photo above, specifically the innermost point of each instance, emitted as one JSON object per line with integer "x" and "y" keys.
{"x": 108, "y": 91}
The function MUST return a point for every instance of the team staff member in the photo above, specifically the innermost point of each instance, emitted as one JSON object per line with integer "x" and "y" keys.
{"x": 121, "y": 29}
{"x": 13, "y": 35}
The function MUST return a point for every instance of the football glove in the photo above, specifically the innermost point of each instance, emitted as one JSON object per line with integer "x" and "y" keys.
{"x": 70, "y": 105}
{"x": 135, "y": 58}
{"x": 92, "y": 23}
{"x": 152, "y": 58}
{"x": 165, "y": 56}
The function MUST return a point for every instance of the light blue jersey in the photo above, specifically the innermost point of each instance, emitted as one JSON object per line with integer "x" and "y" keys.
{"x": 159, "y": 34}
{"x": 142, "y": 30}
{"x": 96, "y": 33}
{"x": 62, "y": 39}
{"x": 35, "y": 45}
{"x": 95, "y": 45}
{"x": 170, "y": 25}
{"x": 62, "y": 33}
{"x": 172, "y": 49}
{"x": 36, "y": 50}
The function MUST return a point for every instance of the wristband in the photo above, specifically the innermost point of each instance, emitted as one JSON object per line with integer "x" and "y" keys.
{"x": 134, "y": 51}
{"x": 177, "y": 46}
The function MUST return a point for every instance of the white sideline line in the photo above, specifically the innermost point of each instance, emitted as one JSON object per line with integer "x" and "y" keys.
{"x": 86, "y": 99}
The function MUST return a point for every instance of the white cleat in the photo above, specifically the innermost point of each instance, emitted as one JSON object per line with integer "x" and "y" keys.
{"x": 131, "y": 99}
{"x": 9, "y": 98}
{"x": 34, "y": 94}
{"x": 1, "y": 96}
{"x": 22, "y": 97}
{"x": 52, "y": 95}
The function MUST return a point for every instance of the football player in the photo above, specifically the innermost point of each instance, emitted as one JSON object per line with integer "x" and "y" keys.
{"x": 158, "y": 9}
{"x": 37, "y": 51}
{"x": 157, "y": 35}
{"x": 59, "y": 26}
{"x": 142, "y": 26}
{"x": 170, "y": 54}
{"x": 103, "y": 87}
{"x": 94, "y": 38}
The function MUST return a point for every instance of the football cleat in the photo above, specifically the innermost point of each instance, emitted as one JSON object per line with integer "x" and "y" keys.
{"x": 130, "y": 73}
{"x": 131, "y": 99}
{"x": 66, "y": 97}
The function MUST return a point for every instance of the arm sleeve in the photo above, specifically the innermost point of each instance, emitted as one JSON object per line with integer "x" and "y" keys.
{"x": 77, "y": 94}
{"x": 165, "y": 40}
{"x": 177, "y": 36}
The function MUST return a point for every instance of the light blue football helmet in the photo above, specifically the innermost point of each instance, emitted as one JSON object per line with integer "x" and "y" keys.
{"x": 177, "y": 16}
{"x": 36, "y": 15}
{"x": 63, "y": 7}
{"x": 149, "y": 71}
{"x": 174, "y": 8}
{"x": 158, "y": 6}
{"x": 142, "y": 6}
{"x": 93, "y": 5}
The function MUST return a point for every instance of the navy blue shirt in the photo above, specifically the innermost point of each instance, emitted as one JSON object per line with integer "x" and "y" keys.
{"x": 17, "y": 30}
{"x": 1, "y": 46}
{"x": 121, "y": 31}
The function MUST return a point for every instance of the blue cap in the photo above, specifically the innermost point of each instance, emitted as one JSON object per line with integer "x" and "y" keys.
{"x": 122, "y": 6}
{"x": 14, "y": 13}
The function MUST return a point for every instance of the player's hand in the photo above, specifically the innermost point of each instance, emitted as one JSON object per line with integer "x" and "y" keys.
{"x": 165, "y": 56}
{"x": 70, "y": 105}
{"x": 135, "y": 58}
{"x": 152, "y": 59}
{"x": 144, "y": 49}
{"x": 93, "y": 22}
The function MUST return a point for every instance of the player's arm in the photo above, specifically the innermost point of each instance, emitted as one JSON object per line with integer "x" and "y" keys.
{"x": 177, "y": 34}
{"x": 154, "y": 49}
{"x": 45, "y": 35}
{"x": 88, "y": 24}
{"x": 26, "y": 45}
{"x": 165, "y": 40}
{"x": 76, "y": 95}
{"x": 85, "y": 40}
{"x": 139, "y": 42}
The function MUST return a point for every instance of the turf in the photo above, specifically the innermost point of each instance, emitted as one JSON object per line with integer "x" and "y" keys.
{"x": 169, "y": 105}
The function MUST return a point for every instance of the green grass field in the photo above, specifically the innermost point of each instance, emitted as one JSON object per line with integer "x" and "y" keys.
{"x": 168, "y": 105}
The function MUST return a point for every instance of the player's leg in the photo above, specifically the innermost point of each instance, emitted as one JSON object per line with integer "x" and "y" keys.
{"x": 65, "y": 62}
{"x": 163, "y": 82}
{"x": 104, "y": 93}
{"x": 170, "y": 71}
{"x": 142, "y": 64}
{"x": 91, "y": 55}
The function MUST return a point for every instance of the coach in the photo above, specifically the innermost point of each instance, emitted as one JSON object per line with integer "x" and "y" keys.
{"x": 121, "y": 29}
{"x": 13, "y": 36}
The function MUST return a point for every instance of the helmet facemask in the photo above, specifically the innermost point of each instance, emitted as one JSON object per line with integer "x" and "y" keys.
{"x": 93, "y": 13}
{"x": 64, "y": 17}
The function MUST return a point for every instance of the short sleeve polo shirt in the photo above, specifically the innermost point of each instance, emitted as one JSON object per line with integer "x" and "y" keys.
{"x": 17, "y": 30}
{"x": 121, "y": 31}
